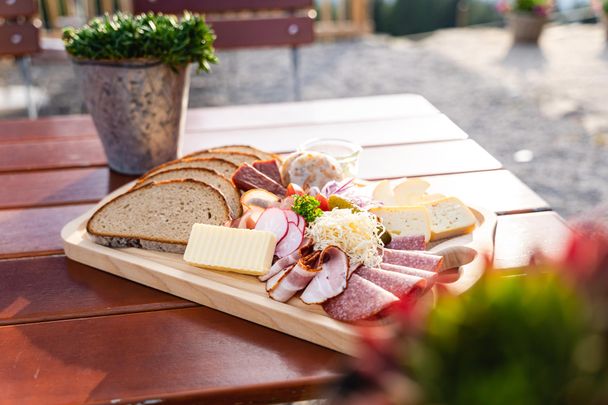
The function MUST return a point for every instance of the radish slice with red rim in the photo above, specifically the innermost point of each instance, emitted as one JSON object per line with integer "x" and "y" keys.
{"x": 292, "y": 217}
{"x": 291, "y": 242}
{"x": 275, "y": 221}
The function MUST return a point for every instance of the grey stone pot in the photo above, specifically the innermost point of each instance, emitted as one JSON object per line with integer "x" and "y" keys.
{"x": 138, "y": 107}
{"x": 526, "y": 27}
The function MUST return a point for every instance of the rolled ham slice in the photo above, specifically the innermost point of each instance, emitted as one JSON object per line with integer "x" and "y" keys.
{"x": 280, "y": 265}
{"x": 429, "y": 276}
{"x": 400, "y": 284}
{"x": 361, "y": 300}
{"x": 331, "y": 280}
{"x": 416, "y": 260}
{"x": 407, "y": 242}
{"x": 285, "y": 284}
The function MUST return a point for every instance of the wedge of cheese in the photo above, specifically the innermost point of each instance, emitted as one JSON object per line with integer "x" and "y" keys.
{"x": 405, "y": 221}
{"x": 243, "y": 251}
{"x": 450, "y": 217}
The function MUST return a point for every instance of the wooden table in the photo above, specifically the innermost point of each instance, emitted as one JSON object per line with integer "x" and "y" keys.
{"x": 70, "y": 333}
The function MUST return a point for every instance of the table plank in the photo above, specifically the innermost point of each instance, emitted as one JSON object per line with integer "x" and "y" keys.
{"x": 426, "y": 128}
{"x": 61, "y": 127}
{"x": 496, "y": 190}
{"x": 44, "y": 188}
{"x": 199, "y": 352}
{"x": 35, "y": 231}
{"x": 52, "y": 288}
{"x": 519, "y": 236}
{"x": 425, "y": 159}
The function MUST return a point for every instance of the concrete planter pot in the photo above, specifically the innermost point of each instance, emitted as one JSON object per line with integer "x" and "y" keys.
{"x": 138, "y": 107}
{"x": 526, "y": 27}
{"x": 604, "y": 20}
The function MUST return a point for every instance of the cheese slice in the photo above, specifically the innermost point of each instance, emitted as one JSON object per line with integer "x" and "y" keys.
{"x": 405, "y": 221}
{"x": 450, "y": 217}
{"x": 407, "y": 192}
{"x": 243, "y": 251}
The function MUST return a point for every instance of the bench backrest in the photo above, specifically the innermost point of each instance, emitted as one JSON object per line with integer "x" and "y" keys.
{"x": 18, "y": 35}
{"x": 246, "y": 23}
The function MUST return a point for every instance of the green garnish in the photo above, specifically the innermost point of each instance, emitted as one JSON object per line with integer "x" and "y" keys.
{"x": 307, "y": 206}
{"x": 175, "y": 42}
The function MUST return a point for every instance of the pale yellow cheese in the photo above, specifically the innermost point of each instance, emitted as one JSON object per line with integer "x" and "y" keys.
{"x": 243, "y": 251}
{"x": 405, "y": 221}
{"x": 450, "y": 217}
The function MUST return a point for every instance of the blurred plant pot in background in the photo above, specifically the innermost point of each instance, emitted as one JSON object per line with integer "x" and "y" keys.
{"x": 604, "y": 20}
{"x": 138, "y": 107}
{"x": 526, "y": 27}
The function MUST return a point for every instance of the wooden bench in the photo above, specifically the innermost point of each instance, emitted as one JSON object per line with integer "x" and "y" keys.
{"x": 249, "y": 23}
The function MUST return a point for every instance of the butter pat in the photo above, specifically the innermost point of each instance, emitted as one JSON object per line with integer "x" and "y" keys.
{"x": 405, "y": 221}
{"x": 450, "y": 217}
{"x": 243, "y": 251}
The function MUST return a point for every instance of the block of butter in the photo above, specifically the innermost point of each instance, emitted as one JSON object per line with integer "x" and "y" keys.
{"x": 405, "y": 221}
{"x": 450, "y": 217}
{"x": 243, "y": 251}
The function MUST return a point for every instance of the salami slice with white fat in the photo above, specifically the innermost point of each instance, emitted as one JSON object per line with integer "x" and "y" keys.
{"x": 414, "y": 259}
{"x": 400, "y": 284}
{"x": 361, "y": 300}
{"x": 430, "y": 276}
{"x": 407, "y": 242}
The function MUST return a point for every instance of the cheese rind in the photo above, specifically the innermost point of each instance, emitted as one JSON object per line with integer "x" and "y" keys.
{"x": 405, "y": 221}
{"x": 243, "y": 251}
{"x": 450, "y": 217}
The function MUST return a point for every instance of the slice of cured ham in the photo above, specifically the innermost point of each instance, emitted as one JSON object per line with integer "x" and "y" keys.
{"x": 417, "y": 260}
{"x": 285, "y": 284}
{"x": 400, "y": 284}
{"x": 331, "y": 280}
{"x": 408, "y": 242}
{"x": 430, "y": 276}
{"x": 270, "y": 168}
{"x": 247, "y": 177}
{"x": 361, "y": 300}
{"x": 280, "y": 265}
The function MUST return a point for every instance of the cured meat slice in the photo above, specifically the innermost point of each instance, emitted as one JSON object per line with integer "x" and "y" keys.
{"x": 352, "y": 267}
{"x": 361, "y": 300}
{"x": 270, "y": 168}
{"x": 280, "y": 265}
{"x": 246, "y": 177}
{"x": 430, "y": 276}
{"x": 417, "y": 260}
{"x": 331, "y": 280}
{"x": 407, "y": 242}
{"x": 400, "y": 284}
{"x": 295, "y": 279}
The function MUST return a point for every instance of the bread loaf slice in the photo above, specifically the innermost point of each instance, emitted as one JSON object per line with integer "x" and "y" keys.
{"x": 260, "y": 154}
{"x": 220, "y": 166}
{"x": 158, "y": 216}
{"x": 222, "y": 184}
{"x": 237, "y": 158}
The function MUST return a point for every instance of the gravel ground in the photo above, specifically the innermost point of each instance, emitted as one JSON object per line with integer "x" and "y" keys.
{"x": 542, "y": 111}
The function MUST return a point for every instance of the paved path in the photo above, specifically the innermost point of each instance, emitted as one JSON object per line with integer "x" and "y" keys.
{"x": 543, "y": 111}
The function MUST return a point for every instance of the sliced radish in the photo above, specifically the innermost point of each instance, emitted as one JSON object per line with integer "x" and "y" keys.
{"x": 292, "y": 217}
{"x": 291, "y": 242}
{"x": 275, "y": 221}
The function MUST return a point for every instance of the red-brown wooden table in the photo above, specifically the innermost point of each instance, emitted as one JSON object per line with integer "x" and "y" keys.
{"x": 73, "y": 334}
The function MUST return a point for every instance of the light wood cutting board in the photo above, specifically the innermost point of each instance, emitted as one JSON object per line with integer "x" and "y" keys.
{"x": 244, "y": 296}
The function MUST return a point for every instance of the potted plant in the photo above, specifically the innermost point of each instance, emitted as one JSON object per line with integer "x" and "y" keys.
{"x": 601, "y": 9}
{"x": 526, "y": 18}
{"x": 134, "y": 72}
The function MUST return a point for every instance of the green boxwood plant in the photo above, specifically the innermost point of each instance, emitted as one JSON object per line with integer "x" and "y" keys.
{"x": 175, "y": 42}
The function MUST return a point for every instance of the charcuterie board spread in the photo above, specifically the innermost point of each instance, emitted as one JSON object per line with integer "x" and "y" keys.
{"x": 293, "y": 243}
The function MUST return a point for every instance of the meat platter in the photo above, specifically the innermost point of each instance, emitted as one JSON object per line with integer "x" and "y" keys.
{"x": 287, "y": 266}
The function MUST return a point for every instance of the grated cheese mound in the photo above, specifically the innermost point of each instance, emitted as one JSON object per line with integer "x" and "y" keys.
{"x": 356, "y": 233}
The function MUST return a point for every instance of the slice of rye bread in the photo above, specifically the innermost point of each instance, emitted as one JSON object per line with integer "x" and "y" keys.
{"x": 259, "y": 154}
{"x": 221, "y": 166}
{"x": 224, "y": 186}
{"x": 237, "y": 158}
{"x": 158, "y": 216}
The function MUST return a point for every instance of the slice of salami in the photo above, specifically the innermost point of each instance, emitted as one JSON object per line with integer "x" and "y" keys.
{"x": 408, "y": 242}
{"x": 400, "y": 284}
{"x": 430, "y": 276}
{"x": 417, "y": 260}
{"x": 361, "y": 300}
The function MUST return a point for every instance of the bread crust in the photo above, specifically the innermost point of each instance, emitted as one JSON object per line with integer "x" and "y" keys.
{"x": 108, "y": 239}
{"x": 159, "y": 169}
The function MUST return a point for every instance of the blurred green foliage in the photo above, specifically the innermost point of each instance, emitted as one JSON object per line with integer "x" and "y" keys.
{"x": 529, "y": 5}
{"x": 175, "y": 42}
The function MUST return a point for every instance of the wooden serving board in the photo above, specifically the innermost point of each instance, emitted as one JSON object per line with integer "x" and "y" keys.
{"x": 244, "y": 296}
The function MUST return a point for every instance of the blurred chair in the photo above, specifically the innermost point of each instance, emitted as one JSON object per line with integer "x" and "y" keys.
{"x": 20, "y": 38}
{"x": 249, "y": 23}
